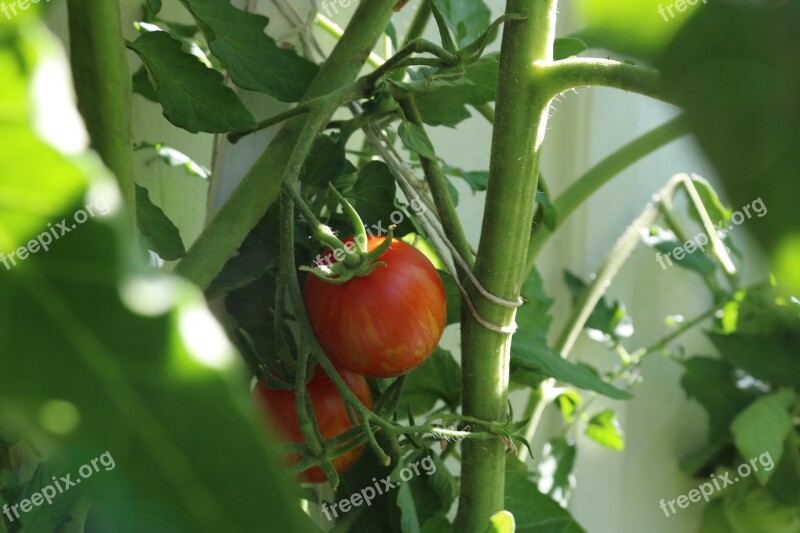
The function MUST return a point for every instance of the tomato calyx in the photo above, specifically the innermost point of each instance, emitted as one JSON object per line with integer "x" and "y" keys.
{"x": 352, "y": 259}
{"x": 358, "y": 262}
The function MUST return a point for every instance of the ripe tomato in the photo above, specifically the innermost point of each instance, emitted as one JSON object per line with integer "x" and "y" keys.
{"x": 384, "y": 324}
{"x": 278, "y": 407}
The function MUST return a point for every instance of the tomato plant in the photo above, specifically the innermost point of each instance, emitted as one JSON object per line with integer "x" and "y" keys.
{"x": 298, "y": 132}
{"x": 384, "y": 324}
{"x": 279, "y": 409}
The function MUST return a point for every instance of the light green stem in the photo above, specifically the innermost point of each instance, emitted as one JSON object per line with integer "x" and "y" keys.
{"x": 103, "y": 86}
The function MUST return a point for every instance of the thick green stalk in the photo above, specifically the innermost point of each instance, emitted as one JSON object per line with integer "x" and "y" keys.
{"x": 586, "y": 185}
{"x": 260, "y": 187}
{"x": 500, "y": 263}
{"x": 103, "y": 86}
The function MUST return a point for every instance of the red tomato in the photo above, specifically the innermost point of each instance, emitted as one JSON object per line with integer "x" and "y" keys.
{"x": 279, "y": 411}
{"x": 385, "y": 324}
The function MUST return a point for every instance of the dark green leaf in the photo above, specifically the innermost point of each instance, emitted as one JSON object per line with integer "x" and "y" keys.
{"x": 763, "y": 427}
{"x": 154, "y": 5}
{"x": 530, "y": 352}
{"x": 604, "y": 429}
{"x": 547, "y": 211}
{"x": 751, "y": 507}
{"x": 533, "y": 511}
{"x": 143, "y": 86}
{"x": 374, "y": 194}
{"x": 565, "y": 47}
{"x": 438, "y": 378}
{"x": 415, "y": 139}
{"x": 251, "y": 57}
{"x": 773, "y": 358}
{"x": 326, "y": 162}
{"x": 742, "y": 97}
{"x": 160, "y": 233}
{"x": 713, "y": 383}
{"x": 194, "y": 96}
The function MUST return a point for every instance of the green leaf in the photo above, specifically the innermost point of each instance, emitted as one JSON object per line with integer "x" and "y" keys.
{"x": 143, "y": 86}
{"x": 252, "y": 58}
{"x": 751, "y": 508}
{"x": 453, "y": 298}
{"x": 555, "y": 469}
{"x": 547, "y": 211}
{"x": 136, "y": 356}
{"x": 664, "y": 242}
{"x": 467, "y": 18}
{"x": 478, "y": 180}
{"x": 444, "y": 103}
{"x": 415, "y": 139}
{"x": 606, "y": 323}
{"x": 718, "y": 213}
{"x": 160, "y": 233}
{"x": 742, "y": 98}
{"x": 429, "y": 493}
{"x": 529, "y": 351}
{"x": 194, "y": 97}
{"x": 154, "y": 5}
{"x": 374, "y": 194}
{"x": 763, "y": 427}
{"x": 604, "y": 429}
{"x": 565, "y": 47}
{"x": 533, "y": 511}
{"x": 771, "y": 358}
{"x": 529, "y": 348}
{"x": 502, "y": 522}
{"x": 713, "y": 383}
{"x": 326, "y": 162}
{"x": 438, "y": 378}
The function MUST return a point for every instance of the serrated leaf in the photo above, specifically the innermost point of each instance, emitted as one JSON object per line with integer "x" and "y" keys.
{"x": 415, "y": 139}
{"x": 467, "y": 18}
{"x": 604, "y": 429}
{"x": 161, "y": 235}
{"x": 607, "y": 322}
{"x": 444, "y": 103}
{"x": 374, "y": 194}
{"x": 194, "y": 97}
{"x": 251, "y": 57}
{"x": 763, "y": 427}
{"x": 478, "y": 180}
{"x": 530, "y": 352}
